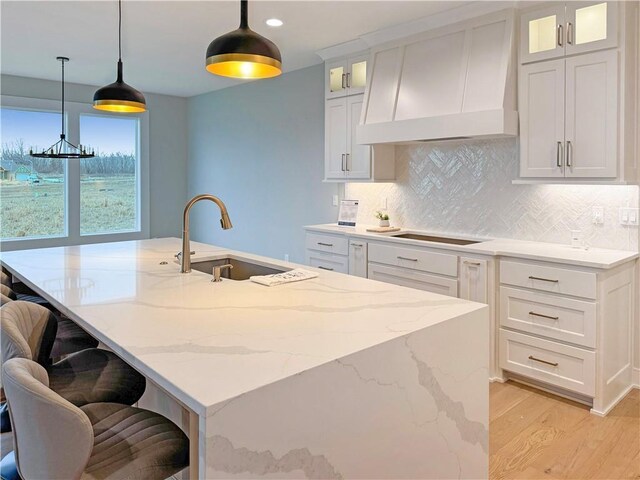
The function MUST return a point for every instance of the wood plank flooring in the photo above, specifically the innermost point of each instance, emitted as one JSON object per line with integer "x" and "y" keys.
{"x": 536, "y": 435}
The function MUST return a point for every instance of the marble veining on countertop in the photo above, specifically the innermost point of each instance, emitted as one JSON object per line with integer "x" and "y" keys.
{"x": 551, "y": 252}
{"x": 208, "y": 342}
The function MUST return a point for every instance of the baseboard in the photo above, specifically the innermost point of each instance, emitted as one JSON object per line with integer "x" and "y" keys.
{"x": 611, "y": 406}
{"x": 636, "y": 377}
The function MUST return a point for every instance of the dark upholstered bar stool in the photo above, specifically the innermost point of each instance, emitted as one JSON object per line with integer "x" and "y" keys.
{"x": 56, "y": 439}
{"x": 27, "y": 330}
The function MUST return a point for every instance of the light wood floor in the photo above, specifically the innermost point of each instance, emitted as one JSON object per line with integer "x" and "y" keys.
{"x": 535, "y": 435}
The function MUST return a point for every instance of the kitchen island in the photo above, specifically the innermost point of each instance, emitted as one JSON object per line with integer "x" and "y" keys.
{"x": 333, "y": 377}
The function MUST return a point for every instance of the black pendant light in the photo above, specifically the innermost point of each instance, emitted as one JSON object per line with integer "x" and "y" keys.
{"x": 244, "y": 53}
{"x": 62, "y": 148}
{"x": 119, "y": 97}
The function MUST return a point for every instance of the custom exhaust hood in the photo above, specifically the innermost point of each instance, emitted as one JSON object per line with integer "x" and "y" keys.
{"x": 454, "y": 82}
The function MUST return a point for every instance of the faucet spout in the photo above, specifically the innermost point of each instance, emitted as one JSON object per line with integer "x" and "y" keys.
{"x": 225, "y": 223}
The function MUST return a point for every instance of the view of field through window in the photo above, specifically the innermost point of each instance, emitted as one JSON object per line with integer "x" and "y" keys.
{"x": 108, "y": 189}
{"x": 33, "y": 190}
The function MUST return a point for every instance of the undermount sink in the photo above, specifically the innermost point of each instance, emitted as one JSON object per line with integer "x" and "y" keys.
{"x": 429, "y": 238}
{"x": 241, "y": 270}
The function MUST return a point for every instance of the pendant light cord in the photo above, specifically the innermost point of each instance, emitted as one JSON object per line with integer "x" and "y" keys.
{"x": 244, "y": 14}
{"x": 62, "y": 116}
{"x": 119, "y": 29}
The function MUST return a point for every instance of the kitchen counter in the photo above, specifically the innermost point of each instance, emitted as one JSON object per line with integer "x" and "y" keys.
{"x": 297, "y": 377}
{"x": 548, "y": 252}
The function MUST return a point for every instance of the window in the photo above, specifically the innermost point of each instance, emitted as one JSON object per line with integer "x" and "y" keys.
{"x": 32, "y": 190}
{"x": 108, "y": 182}
{"x": 51, "y": 202}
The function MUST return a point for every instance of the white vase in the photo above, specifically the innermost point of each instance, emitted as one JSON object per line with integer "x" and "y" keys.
{"x": 384, "y": 223}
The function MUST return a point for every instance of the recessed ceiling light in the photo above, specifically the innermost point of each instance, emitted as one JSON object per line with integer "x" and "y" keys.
{"x": 275, "y": 22}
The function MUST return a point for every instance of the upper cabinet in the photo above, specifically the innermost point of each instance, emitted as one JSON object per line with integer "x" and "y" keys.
{"x": 578, "y": 93}
{"x": 347, "y": 76}
{"x": 567, "y": 29}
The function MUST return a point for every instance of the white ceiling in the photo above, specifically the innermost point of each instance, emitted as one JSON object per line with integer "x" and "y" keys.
{"x": 164, "y": 42}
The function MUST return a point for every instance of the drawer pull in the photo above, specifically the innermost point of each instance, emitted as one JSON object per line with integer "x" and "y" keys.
{"x": 474, "y": 264}
{"x": 544, "y": 316}
{"x": 357, "y": 245}
{"x": 325, "y": 244}
{"x": 544, "y": 279}
{"x": 407, "y": 258}
{"x": 531, "y": 357}
{"x": 325, "y": 268}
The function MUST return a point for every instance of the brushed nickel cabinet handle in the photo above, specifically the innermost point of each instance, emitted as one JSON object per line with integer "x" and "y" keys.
{"x": 348, "y": 80}
{"x": 559, "y": 155}
{"x": 473, "y": 264}
{"x": 342, "y": 162}
{"x": 569, "y": 154}
{"x": 357, "y": 245}
{"x": 544, "y": 316}
{"x": 344, "y": 76}
{"x": 544, "y": 279}
{"x": 325, "y": 244}
{"x": 346, "y": 162}
{"x": 531, "y": 357}
{"x": 407, "y": 258}
{"x": 325, "y": 268}
{"x": 570, "y": 33}
{"x": 559, "y": 35}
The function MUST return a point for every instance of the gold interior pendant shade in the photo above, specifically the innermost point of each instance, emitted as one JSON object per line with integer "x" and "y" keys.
{"x": 243, "y": 53}
{"x": 118, "y": 96}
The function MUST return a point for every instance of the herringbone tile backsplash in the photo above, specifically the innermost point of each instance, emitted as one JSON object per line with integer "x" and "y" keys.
{"x": 465, "y": 188}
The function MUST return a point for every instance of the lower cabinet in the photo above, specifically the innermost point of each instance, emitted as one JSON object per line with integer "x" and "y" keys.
{"x": 328, "y": 261}
{"x": 413, "y": 279}
{"x": 474, "y": 279}
{"x": 358, "y": 258}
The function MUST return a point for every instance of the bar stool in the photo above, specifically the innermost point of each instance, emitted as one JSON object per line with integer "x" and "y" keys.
{"x": 56, "y": 439}
{"x": 70, "y": 337}
{"x": 93, "y": 375}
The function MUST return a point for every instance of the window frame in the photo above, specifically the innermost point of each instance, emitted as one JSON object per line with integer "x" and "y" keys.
{"x": 72, "y": 235}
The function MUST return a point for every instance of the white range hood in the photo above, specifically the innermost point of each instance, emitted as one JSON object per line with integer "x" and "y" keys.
{"x": 454, "y": 82}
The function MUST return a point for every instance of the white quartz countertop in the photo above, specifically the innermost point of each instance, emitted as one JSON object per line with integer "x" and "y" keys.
{"x": 550, "y": 252}
{"x": 209, "y": 342}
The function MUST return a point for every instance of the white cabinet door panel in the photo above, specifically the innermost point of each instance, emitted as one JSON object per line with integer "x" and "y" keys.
{"x": 413, "y": 279}
{"x": 328, "y": 261}
{"x": 541, "y": 106}
{"x": 358, "y": 161}
{"x": 542, "y": 34}
{"x": 358, "y": 258}
{"x": 592, "y": 115}
{"x": 474, "y": 280}
{"x": 591, "y": 26}
{"x": 335, "y": 138}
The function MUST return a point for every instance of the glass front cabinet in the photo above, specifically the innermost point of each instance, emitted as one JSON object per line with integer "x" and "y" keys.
{"x": 346, "y": 77}
{"x": 567, "y": 29}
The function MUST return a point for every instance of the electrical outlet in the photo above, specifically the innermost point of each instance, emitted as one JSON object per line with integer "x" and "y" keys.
{"x": 335, "y": 200}
{"x": 383, "y": 203}
{"x": 629, "y": 216}
{"x": 597, "y": 215}
{"x": 286, "y": 257}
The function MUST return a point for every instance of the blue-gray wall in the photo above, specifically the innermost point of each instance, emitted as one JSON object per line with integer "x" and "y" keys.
{"x": 167, "y": 145}
{"x": 259, "y": 147}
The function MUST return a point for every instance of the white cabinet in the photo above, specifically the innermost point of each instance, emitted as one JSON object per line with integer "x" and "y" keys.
{"x": 347, "y": 76}
{"x": 358, "y": 258}
{"x": 474, "y": 279}
{"x": 578, "y": 106}
{"x": 562, "y": 29}
{"x": 569, "y": 117}
{"x": 541, "y": 109}
{"x": 568, "y": 329}
{"x": 328, "y": 261}
{"x": 345, "y": 159}
{"x": 413, "y": 279}
{"x": 591, "y": 148}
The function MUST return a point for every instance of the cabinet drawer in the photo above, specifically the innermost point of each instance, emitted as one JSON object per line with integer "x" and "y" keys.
{"x": 414, "y": 258}
{"x": 549, "y": 279}
{"x": 328, "y": 261}
{"x": 567, "y": 367}
{"x": 327, "y": 243}
{"x": 413, "y": 279}
{"x": 560, "y": 318}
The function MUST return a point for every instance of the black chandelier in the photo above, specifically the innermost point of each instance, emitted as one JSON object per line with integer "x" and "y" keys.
{"x": 62, "y": 148}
